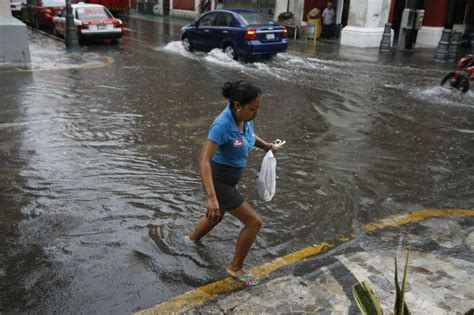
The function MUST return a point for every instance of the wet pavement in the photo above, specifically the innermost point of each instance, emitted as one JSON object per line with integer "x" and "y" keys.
{"x": 98, "y": 163}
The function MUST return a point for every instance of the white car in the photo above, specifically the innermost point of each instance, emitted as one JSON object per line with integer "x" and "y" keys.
{"x": 92, "y": 21}
{"x": 15, "y": 6}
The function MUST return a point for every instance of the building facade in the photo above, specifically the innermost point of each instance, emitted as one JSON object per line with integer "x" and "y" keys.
{"x": 367, "y": 19}
{"x": 360, "y": 23}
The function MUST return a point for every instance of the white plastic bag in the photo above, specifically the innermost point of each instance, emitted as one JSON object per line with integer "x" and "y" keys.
{"x": 266, "y": 177}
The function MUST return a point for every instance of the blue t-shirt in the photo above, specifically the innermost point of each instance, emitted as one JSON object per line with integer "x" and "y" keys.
{"x": 233, "y": 145}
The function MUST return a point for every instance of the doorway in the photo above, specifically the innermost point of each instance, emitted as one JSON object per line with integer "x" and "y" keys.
{"x": 345, "y": 13}
{"x": 320, "y": 4}
{"x": 399, "y": 6}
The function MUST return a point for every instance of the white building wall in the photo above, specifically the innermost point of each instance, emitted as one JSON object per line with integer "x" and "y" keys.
{"x": 429, "y": 37}
{"x": 270, "y": 7}
{"x": 366, "y": 23}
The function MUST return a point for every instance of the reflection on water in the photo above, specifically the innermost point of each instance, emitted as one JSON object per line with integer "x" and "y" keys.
{"x": 106, "y": 178}
{"x": 49, "y": 54}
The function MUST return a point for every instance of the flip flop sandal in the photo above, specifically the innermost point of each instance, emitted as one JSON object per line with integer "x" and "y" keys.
{"x": 247, "y": 275}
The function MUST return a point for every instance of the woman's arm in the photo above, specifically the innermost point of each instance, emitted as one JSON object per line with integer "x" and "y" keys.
{"x": 212, "y": 206}
{"x": 260, "y": 143}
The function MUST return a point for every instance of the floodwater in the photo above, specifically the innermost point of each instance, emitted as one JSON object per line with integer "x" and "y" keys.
{"x": 99, "y": 177}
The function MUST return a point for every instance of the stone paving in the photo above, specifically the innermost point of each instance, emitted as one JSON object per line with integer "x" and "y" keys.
{"x": 440, "y": 278}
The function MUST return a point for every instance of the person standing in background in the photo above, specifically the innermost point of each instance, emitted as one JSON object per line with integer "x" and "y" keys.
{"x": 220, "y": 5}
{"x": 329, "y": 21}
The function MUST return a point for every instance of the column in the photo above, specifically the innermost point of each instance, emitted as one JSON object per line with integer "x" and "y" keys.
{"x": 366, "y": 24}
{"x": 14, "y": 49}
{"x": 433, "y": 24}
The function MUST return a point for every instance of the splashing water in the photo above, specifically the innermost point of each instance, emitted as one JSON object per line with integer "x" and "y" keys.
{"x": 443, "y": 95}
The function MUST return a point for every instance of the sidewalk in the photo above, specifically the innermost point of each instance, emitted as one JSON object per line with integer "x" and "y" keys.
{"x": 440, "y": 274}
{"x": 332, "y": 49}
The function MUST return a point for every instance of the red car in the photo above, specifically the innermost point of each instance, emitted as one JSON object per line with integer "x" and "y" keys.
{"x": 92, "y": 21}
{"x": 40, "y": 13}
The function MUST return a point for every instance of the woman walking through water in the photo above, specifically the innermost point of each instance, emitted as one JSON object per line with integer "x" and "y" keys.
{"x": 223, "y": 157}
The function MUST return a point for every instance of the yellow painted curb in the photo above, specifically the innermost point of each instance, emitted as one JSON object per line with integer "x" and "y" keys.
{"x": 198, "y": 296}
{"x": 419, "y": 215}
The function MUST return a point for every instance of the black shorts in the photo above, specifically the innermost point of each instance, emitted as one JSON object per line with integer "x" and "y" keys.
{"x": 225, "y": 179}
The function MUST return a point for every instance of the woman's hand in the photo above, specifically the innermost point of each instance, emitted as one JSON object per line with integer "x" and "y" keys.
{"x": 275, "y": 146}
{"x": 271, "y": 146}
{"x": 265, "y": 146}
{"x": 213, "y": 212}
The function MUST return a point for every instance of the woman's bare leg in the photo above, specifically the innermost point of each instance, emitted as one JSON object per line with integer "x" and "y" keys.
{"x": 203, "y": 227}
{"x": 252, "y": 221}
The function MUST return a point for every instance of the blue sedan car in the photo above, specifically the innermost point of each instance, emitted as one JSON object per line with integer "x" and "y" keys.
{"x": 238, "y": 32}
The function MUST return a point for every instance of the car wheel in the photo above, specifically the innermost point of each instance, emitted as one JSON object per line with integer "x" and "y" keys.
{"x": 230, "y": 52}
{"x": 449, "y": 77}
{"x": 456, "y": 80}
{"x": 186, "y": 42}
{"x": 463, "y": 84}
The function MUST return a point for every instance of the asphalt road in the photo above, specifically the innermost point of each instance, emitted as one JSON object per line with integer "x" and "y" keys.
{"x": 98, "y": 161}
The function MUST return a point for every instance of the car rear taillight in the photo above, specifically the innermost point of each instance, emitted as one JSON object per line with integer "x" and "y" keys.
{"x": 81, "y": 27}
{"x": 48, "y": 14}
{"x": 117, "y": 23}
{"x": 285, "y": 33}
{"x": 250, "y": 34}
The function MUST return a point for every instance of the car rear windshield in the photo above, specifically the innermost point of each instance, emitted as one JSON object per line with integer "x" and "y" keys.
{"x": 54, "y": 3}
{"x": 255, "y": 18}
{"x": 92, "y": 13}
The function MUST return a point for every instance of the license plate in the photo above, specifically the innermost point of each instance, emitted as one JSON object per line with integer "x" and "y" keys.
{"x": 271, "y": 36}
{"x": 101, "y": 27}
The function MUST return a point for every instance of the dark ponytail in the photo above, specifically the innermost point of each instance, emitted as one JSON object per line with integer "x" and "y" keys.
{"x": 243, "y": 92}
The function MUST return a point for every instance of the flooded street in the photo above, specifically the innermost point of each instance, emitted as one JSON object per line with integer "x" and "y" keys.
{"x": 99, "y": 148}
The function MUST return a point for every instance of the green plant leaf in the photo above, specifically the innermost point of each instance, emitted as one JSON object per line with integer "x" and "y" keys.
{"x": 366, "y": 299}
{"x": 400, "y": 307}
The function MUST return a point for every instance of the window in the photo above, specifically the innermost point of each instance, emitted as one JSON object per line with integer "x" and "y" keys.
{"x": 184, "y": 5}
{"x": 92, "y": 13}
{"x": 207, "y": 20}
{"x": 224, "y": 19}
{"x": 54, "y": 3}
{"x": 255, "y": 18}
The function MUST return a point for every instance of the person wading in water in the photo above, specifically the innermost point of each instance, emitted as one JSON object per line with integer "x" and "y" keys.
{"x": 222, "y": 160}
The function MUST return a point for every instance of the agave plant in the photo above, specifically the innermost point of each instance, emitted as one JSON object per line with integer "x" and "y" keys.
{"x": 400, "y": 307}
{"x": 368, "y": 302}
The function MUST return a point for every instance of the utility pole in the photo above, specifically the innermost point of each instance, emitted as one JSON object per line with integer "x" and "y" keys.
{"x": 70, "y": 40}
